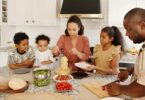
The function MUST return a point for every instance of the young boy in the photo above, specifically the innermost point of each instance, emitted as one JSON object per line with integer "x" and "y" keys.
{"x": 22, "y": 56}
{"x": 43, "y": 56}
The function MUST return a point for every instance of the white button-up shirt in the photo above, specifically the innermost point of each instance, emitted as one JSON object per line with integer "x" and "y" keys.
{"x": 139, "y": 69}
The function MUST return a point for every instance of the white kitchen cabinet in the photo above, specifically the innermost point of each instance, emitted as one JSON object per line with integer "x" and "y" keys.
{"x": 45, "y": 12}
{"x": 117, "y": 9}
{"x": 32, "y": 12}
{"x": 141, "y": 3}
{"x": 19, "y": 12}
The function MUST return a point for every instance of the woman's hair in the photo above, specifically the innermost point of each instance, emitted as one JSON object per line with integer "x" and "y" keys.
{"x": 75, "y": 19}
{"x": 116, "y": 34}
{"x": 42, "y": 37}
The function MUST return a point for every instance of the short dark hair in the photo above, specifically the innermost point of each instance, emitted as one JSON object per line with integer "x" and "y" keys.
{"x": 18, "y": 37}
{"x": 136, "y": 12}
{"x": 75, "y": 19}
{"x": 42, "y": 37}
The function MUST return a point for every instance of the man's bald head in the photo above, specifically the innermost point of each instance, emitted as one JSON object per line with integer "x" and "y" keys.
{"x": 134, "y": 23}
{"x": 135, "y": 15}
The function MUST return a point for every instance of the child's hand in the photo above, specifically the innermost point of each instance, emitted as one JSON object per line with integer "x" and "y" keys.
{"x": 28, "y": 61}
{"x": 46, "y": 62}
{"x": 12, "y": 66}
{"x": 90, "y": 68}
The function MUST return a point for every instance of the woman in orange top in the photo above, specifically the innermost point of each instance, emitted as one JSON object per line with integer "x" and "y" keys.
{"x": 73, "y": 44}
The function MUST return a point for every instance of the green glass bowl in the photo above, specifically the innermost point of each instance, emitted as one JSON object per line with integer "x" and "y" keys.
{"x": 41, "y": 77}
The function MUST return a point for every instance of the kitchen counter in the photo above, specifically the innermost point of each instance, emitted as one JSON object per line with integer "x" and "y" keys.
{"x": 127, "y": 60}
{"x": 79, "y": 92}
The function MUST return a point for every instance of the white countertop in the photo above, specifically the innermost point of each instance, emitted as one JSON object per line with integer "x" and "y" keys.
{"x": 128, "y": 58}
{"x": 83, "y": 93}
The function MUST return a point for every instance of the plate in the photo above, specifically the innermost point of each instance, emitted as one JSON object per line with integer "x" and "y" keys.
{"x": 79, "y": 75}
{"x": 9, "y": 90}
{"x": 21, "y": 70}
{"x": 112, "y": 98}
{"x": 64, "y": 78}
{"x": 82, "y": 65}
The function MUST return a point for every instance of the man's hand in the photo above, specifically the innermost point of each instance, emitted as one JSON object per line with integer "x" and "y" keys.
{"x": 123, "y": 75}
{"x": 113, "y": 89}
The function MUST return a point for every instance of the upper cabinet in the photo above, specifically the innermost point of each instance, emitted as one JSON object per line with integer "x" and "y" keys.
{"x": 141, "y": 3}
{"x": 19, "y": 12}
{"x": 45, "y": 12}
{"x": 117, "y": 10}
{"x": 32, "y": 12}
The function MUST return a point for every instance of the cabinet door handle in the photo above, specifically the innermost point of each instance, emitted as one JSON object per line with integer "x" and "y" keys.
{"x": 33, "y": 21}
{"x": 27, "y": 21}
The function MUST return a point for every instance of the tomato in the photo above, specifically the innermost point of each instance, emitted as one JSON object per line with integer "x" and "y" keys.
{"x": 63, "y": 77}
{"x": 63, "y": 86}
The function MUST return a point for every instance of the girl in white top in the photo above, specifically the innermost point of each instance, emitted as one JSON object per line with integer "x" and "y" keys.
{"x": 107, "y": 54}
{"x": 43, "y": 56}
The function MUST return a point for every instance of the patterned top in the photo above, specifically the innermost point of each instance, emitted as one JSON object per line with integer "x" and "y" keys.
{"x": 65, "y": 44}
{"x": 16, "y": 58}
{"x": 103, "y": 58}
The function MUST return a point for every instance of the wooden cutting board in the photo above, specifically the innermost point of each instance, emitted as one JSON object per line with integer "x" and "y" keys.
{"x": 96, "y": 88}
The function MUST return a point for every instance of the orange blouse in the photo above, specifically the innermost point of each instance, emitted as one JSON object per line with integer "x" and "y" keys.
{"x": 65, "y": 44}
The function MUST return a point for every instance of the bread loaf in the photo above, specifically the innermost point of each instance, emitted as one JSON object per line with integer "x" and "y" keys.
{"x": 17, "y": 83}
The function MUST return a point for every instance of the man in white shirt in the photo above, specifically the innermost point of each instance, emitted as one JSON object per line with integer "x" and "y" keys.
{"x": 134, "y": 23}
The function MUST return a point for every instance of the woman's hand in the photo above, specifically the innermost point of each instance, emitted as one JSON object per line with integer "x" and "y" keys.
{"x": 55, "y": 50}
{"x": 75, "y": 51}
{"x": 122, "y": 76}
